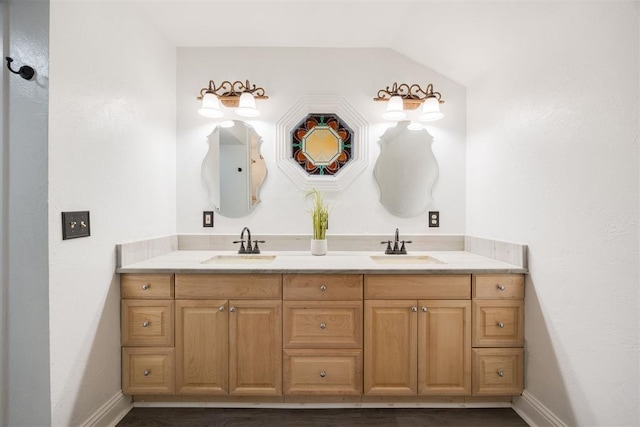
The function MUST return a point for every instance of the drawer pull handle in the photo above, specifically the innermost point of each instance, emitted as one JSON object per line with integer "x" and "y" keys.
{"x": 146, "y": 286}
{"x": 500, "y": 325}
{"x": 501, "y": 287}
{"x": 500, "y": 373}
{"x": 232, "y": 309}
{"x": 145, "y": 324}
{"x": 425, "y": 309}
{"x": 221, "y": 308}
{"x": 323, "y": 325}
{"x": 414, "y": 309}
{"x": 323, "y": 288}
{"x": 146, "y": 373}
{"x": 323, "y": 374}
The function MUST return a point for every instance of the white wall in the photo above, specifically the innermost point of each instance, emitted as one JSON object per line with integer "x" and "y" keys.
{"x": 288, "y": 74}
{"x": 111, "y": 151}
{"x": 553, "y": 162}
{"x": 25, "y": 342}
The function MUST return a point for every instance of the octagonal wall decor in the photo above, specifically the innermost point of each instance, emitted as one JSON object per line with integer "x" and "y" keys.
{"x": 321, "y": 143}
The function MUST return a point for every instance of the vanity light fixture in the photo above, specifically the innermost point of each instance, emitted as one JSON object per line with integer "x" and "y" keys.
{"x": 237, "y": 94}
{"x": 402, "y": 97}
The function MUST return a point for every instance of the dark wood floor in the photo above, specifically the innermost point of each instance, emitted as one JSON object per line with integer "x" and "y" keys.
{"x": 499, "y": 417}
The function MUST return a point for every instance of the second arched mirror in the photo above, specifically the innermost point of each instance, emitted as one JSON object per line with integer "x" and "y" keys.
{"x": 406, "y": 170}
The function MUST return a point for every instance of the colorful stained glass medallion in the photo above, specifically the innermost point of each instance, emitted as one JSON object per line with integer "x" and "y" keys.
{"x": 321, "y": 144}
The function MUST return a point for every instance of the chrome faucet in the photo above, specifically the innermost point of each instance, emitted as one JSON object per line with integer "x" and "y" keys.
{"x": 397, "y": 249}
{"x": 248, "y": 249}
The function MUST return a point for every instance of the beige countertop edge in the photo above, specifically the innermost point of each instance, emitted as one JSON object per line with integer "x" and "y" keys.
{"x": 344, "y": 262}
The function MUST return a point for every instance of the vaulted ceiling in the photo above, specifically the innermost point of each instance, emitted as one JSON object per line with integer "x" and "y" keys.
{"x": 460, "y": 39}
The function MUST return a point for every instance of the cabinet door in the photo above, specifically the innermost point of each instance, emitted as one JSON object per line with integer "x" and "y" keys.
{"x": 255, "y": 353}
{"x": 202, "y": 347}
{"x": 444, "y": 347}
{"x": 390, "y": 347}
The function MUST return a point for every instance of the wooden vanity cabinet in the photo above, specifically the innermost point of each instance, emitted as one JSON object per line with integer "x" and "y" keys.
{"x": 229, "y": 346}
{"x": 498, "y": 334}
{"x": 417, "y": 337}
{"x": 147, "y": 333}
{"x": 322, "y": 335}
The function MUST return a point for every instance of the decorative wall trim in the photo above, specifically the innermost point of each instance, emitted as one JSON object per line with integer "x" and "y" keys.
{"x": 513, "y": 253}
{"x": 128, "y": 253}
{"x": 110, "y": 414}
{"x": 322, "y": 104}
{"x": 534, "y": 412}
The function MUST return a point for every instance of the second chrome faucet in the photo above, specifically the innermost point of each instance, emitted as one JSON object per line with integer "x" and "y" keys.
{"x": 397, "y": 249}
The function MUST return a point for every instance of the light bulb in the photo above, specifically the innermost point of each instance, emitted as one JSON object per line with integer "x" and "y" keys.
{"x": 210, "y": 106}
{"x": 431, "y": 110}
{"x": 395, "y": 109}
{"x": 247, "y": 106}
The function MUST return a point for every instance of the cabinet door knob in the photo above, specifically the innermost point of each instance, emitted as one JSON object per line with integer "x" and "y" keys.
{"x": 501, "y": 287}
{"x": 425, "y": 309}
{"x": 232, "y": 309}
{"x": 500, "y": 373}
{"x": 323, "y": 288}
{"x": 323, "y": 325}
{"x": 414, "y": 309}
{"x": 145, "y": 324}
{"x": 146, "y": 286}
{"x": 323, "y": 374}
{"x": 221, "y": 308}
{"x": 500, "y": 325}
{"x": 146, "y": 373}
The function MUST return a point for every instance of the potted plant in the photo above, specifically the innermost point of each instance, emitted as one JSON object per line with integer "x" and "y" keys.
{"x": 320, "y": 218}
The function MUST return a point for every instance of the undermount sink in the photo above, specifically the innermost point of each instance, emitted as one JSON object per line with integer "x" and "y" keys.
{"x": 405, "y": 259}
{"x": 240, "y": 259}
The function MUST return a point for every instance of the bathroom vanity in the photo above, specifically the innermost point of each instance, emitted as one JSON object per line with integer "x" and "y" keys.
{"x": 287, "y": 327}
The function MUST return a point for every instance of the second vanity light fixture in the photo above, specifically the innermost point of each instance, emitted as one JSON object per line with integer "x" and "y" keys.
{"x": 240, "y": 95}
{"x": 402, "y": 97}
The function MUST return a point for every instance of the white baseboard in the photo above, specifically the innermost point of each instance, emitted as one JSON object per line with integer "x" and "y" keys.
{"x": 534, "y": 412}
{"x": 110, "y": 414}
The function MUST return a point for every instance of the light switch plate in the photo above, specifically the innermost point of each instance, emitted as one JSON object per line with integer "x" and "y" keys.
{"x": 75, "y": 224}
{"x": 207, "y": 218}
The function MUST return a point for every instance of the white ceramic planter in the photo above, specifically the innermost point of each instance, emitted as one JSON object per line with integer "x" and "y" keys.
{"x": 318, "y": 247}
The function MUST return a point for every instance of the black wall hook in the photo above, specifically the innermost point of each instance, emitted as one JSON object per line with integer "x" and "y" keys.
{"x": 25, "y": 71}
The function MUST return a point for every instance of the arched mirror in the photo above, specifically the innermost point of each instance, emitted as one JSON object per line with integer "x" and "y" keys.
{"x": 406, "y": 170}
{"x": 233, "y": 169}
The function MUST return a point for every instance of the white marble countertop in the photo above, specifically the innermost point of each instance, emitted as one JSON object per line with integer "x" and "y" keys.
{"x": 415, "y": 262}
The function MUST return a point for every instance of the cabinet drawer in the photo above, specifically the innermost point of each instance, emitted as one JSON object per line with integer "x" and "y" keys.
{"x": 148, "y": 370}
{"x": 228, "y": 286}
{"x": 450, "y": 286}
{"x": 147, "y": 323}
{"x": 328, "y": 287}
{"x": 498, "y": 371}
{"x": 498, "y": 286}
{"x": 498, "y": 323}
{"x": 147, "y": 286}
{"x": 323, "y": 372}
{"x": 326, "y": 324}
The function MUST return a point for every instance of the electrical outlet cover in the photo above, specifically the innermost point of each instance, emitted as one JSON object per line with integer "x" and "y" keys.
{"x": 75, "y": 224}
{"x": 434, "y": 219}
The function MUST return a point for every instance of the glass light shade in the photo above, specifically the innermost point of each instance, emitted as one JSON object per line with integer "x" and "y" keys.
{"x": 210, "y": 106}
{"x": 415, "y": 126}
{"x": 395, "y": 109}
{"x": 247, "y": 106}
{"x": 227, "y": 124}
{"x": 431, "y": 110}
